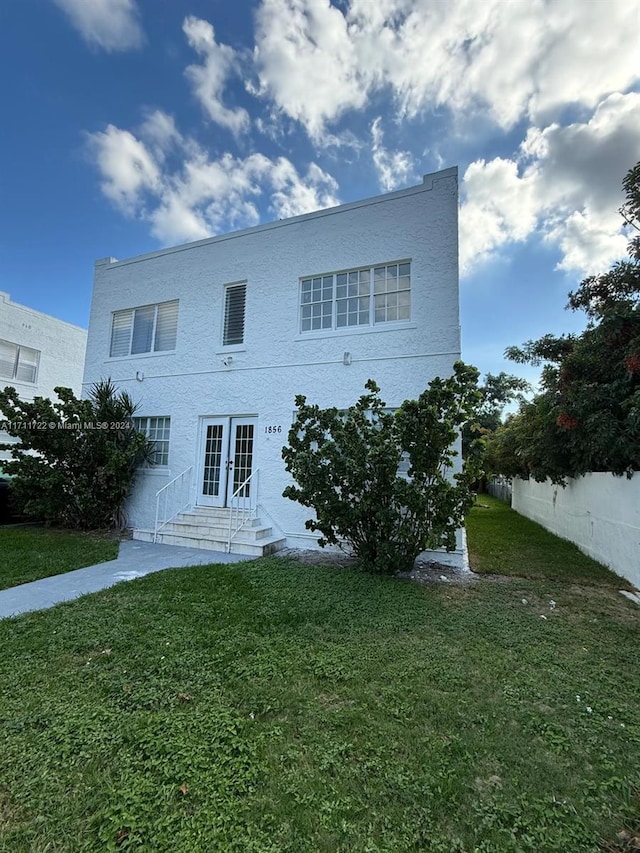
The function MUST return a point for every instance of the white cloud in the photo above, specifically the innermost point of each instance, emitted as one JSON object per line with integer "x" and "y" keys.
{"x": 394, "y": 168}
{"x": 109, "y": 24}
{"x": 208, "y": 80}
{"x": 306, "y": 61}
{"x": 506, "y": 60}
{"x": 294, "y": 194}
{"x": 500, "y": 207}
{"x": 160, "y": 134}
{"x": 565, "y": 183}
{"x": 127, "y": 167}
{"x": 201, "y": 196}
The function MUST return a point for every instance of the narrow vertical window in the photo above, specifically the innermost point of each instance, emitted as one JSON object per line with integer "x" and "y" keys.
{"x": 8, "y": 359}
{"x": 166, "y": 326}
{"x": 144, "y": 321}
{"x": 234, "y": 309}
{"x": 392, "y": 292}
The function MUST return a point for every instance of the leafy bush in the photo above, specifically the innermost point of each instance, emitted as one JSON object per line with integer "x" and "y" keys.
{"x": 347, "y": 465}
{"x": 76, "y": 460}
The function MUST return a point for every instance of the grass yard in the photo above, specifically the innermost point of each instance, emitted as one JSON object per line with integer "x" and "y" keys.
{"x": 503, "y": 542}
{"x": 269, "y": 707}
{"x": 30, "y": 553}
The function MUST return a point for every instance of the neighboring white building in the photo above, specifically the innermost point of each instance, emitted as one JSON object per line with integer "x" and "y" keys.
{"x": 214, "y": 340}
{"x": 38, "y": 353}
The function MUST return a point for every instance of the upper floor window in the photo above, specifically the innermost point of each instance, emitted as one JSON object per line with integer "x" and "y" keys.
{"x": 149, "y": 328}
{"x": 234, "y": 307}
{"x": 18, "y": 362}
{"x": 158, "y": 430}
{"x": 362, "y": 297}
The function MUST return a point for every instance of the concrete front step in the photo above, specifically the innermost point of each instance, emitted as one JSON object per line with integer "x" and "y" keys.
{"x": 239, "y": 544}
{"x": 208, "y": 528}
{"x": 208, "y": 511}
{"x": 180, "y": 527}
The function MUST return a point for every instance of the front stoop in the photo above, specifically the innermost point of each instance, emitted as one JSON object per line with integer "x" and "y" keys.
{"x": 208, "y": 528}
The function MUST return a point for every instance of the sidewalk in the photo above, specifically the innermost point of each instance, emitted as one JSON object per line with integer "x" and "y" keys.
{"x": 135, "y": 559}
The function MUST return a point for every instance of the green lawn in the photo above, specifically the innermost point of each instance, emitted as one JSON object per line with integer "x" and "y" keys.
{"x": 30, "y": 553}
{"x": 269, "y": 707}
{"x": 503, "y": 542}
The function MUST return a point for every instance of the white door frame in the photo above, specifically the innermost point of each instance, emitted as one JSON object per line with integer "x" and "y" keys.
{"x": 242, "y": 445}
{"x": 213, "y": 448}
{"x": 230, "y": 446}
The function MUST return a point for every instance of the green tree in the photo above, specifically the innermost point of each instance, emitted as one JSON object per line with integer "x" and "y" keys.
{"x": 496, "y": 392}
{"x": 76, "y": 460}
{"x": 347, "y": 466}
{"x": 587, "y": 414}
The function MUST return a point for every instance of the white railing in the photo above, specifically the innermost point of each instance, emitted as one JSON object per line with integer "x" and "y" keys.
{"x": 243, "y": 505}
{"x": 174, "y": 497}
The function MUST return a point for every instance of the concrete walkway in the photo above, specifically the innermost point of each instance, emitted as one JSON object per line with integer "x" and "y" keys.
{"x": 135, "y": 559}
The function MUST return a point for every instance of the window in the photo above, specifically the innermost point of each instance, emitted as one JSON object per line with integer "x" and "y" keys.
{"x": 234, "y": 306}
{"x": 158, "y": 430}
{"x": 18, "y": 362}
{"x": 149, "y": 328}
{"x": 346, "y": 299}
{"x": 392, "y": 292}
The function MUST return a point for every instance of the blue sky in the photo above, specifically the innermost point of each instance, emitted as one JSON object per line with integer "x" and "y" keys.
{"x": 135, "y": 124}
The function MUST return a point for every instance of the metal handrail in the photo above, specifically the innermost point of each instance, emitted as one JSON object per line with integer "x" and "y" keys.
{"x": 165, "y": 489}
{"x": 244, "y": 508}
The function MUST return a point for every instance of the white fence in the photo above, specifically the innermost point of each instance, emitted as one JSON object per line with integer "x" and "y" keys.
{"x": 500, "y": 487}
{"x": 599, "y": 512}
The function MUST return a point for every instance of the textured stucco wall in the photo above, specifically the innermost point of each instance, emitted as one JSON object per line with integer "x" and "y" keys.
{"x": 276, "y": 362}
{"x": 61, "y": 345}
{"x": 599, "y": 512}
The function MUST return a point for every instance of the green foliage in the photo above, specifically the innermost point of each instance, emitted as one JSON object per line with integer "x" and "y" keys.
{"x": 76, "y": 459}
{"x": 267, "y": 708}
{"x": 587, "y": 415}
{"x": 346, "y": 467}
{"x": 496, "y": 392}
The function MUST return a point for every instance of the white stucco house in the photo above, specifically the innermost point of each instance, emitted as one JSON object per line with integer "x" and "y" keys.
{"x": 215, "y": 338}
{"x": 37, "y": 353}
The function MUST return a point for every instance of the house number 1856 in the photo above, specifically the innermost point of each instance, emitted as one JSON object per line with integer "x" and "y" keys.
{"x": 272, "y": 428}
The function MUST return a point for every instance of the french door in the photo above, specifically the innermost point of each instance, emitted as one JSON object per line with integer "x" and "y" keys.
{"x": 226, "y": 459}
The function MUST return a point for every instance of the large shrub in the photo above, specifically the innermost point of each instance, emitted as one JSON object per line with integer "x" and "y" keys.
{"x": 76, "y": 460}
{"x": 381, "y": 481}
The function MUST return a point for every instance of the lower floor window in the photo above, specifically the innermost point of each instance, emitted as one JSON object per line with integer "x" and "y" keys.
{"x": 157, "y": 430}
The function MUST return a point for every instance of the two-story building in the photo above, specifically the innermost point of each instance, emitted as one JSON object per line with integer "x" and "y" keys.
{"x": 215, "y": 338}
{"x": 37, "y": 353}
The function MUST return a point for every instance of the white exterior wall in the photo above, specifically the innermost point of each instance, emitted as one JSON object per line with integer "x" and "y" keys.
{"x": 62, "y": 350}
{"x": 276, "y": 362}
{"x": 600, "y": 513}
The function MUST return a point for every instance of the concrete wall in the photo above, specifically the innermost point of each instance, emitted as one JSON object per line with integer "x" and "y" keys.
{"x": 61, "y": 346}
{"x": 599, "y": 512}
{"x": 276, "y": 361}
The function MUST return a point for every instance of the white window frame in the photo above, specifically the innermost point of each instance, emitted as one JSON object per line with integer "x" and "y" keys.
{"x": 18, "y": 364}
{"x": 121, "y": 316}
{"x": 375, "y": 304}
{"x": 160, "y": 458}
